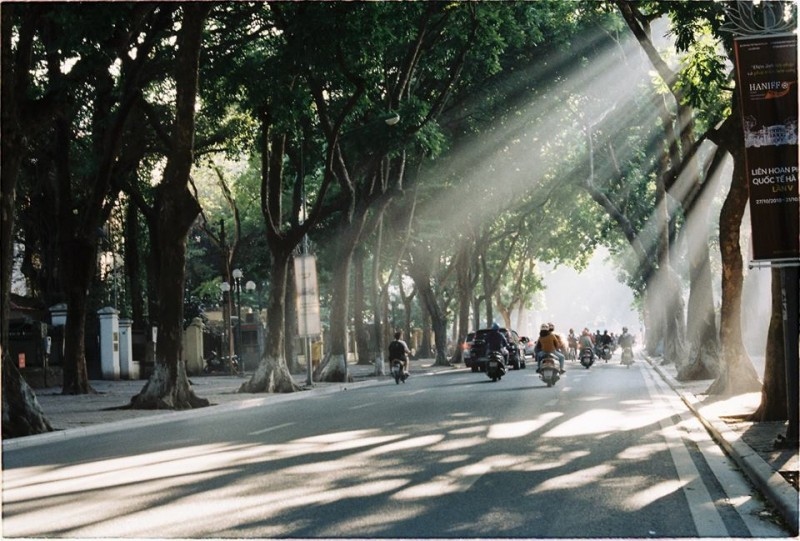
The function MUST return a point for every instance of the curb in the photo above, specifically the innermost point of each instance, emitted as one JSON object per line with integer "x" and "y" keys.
{"x": 107, "y": 428}
{"x": 774, "y": 487}
{"x": 248, "y": 401}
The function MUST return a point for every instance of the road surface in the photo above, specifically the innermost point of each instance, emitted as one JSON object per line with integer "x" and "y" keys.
{"x": 607, "y": 452}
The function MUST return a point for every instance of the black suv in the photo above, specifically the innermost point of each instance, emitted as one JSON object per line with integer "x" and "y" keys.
{"x": 476, "y": 356}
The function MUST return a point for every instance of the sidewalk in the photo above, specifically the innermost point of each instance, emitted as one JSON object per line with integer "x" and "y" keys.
{"x": 773, "y": 472}
{"x": 82, "y": 411}
{"x": 751, "y": 445}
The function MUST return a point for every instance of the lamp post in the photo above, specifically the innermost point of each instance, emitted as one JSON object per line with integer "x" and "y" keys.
{"x": 226, "y": 321}
{"x": 250, "y": 287}
{"x": 237, "y": 288}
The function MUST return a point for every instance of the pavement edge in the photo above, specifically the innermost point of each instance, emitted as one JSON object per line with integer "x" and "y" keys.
{"x": 771, "y": 484}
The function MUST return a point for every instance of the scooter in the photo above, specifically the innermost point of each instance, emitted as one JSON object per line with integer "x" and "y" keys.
{"x": 627, "y": 356}
{"x": 606, "y": 352}
{"x": 495, "y": 366}
{"x": 221, "y": 365}
{"x": 587, "y": 357}
{"x": 548, "y": 371}
{"x": 398, "y": 371}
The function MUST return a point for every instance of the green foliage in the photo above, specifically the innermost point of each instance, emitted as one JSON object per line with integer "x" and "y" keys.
{"x": 503, "y": 149}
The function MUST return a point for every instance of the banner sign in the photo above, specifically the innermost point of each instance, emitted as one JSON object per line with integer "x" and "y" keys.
{"x": 307, "y": 296}
{"x": 766, "y": 68}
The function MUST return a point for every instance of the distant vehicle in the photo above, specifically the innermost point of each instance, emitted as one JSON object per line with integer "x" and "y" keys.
{"x": 476, "y": 356}
{"x": 465, "y": 348}
{"x": 528, "y": 346}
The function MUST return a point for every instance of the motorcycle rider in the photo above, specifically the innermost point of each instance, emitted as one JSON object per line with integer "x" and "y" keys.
{"x": 549, "y": 342}
{"x": 497, "y": 341}
{"x": 398, "y": 349}
{"x": 572, "y": 342}
{"x": 626, "y": 340}
{"x": 605, "y": 340}
{"x": 586, "y": 342}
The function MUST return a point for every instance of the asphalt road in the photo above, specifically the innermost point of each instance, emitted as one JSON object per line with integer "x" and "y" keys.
{"x": 607, "y": 452}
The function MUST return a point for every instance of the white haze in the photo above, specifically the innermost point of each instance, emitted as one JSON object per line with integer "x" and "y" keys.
{"x": 593, "y": 298}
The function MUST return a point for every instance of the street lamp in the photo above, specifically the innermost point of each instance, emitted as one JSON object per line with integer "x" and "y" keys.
{"x": 226, "y": 320}
{"x": 237, "y": 287}
{"x": 250, "y": 287}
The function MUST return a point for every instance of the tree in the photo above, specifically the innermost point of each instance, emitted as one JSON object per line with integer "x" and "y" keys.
{"x": 168, "y": 386}
{"x": 84, "y": 166}
{"x": 22, "y": 415}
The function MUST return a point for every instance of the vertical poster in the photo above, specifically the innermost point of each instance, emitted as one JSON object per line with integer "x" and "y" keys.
{"x": 307, "y": 295}
{"x": 767, "y": 83}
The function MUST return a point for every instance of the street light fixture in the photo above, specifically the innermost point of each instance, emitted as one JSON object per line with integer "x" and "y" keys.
{"x": 237, "y": 287}
{"x": 251, "y": 287}
{"x": 226, "y": 321}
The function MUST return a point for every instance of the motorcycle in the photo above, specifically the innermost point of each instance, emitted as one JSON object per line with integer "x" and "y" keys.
{"x": 398, "y": 371}
{"x": 221, "y": 365}
{"x": 627, "y": 356}
{"x": 587, "y": 357}
{"x": 548, "y": 371}
{"x": 606, "y": 352}
{"x": 495, "y": 366}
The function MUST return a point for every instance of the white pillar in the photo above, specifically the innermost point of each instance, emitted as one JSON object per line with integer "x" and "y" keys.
{"x": 129, "y": 369}
{"x": 193, "y": 347}
{"x": 109, "y": 342}
{"x": 58, "y": 315}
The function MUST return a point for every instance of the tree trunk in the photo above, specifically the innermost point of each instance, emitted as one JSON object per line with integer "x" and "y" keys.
{"x": 774, "y": 404}
{"x": 22, "y": 415}
{"x": 464, "y": 295}
{"x": 79, "y": 257}
{"x": 420, "y": 272}
{"x": 654, "y": 333}
{"x": 272, "y": 374}
{"x": 336, "y": 368}
{"x": 425, "y": 347}
{"x": 380, "y": 300}
{"x": 737, "y": 374}
{"x": 361, "y": 329}
{"x": 702, "y": 326}
{"x": 701, "y": 319}
{"x": 438, "y": 322}
{"x": 176, "y": 210}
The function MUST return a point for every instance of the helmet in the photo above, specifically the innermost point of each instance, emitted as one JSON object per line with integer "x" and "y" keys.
{"x": 544, "y": 327}
{"x": 551, "y": 326}
{"x": 495, "y": 326}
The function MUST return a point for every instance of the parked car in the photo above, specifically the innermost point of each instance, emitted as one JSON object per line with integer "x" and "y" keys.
{"x": 528, "y": 345}
{"x": 465, "y": 349}
{"x": 475, "y": 356}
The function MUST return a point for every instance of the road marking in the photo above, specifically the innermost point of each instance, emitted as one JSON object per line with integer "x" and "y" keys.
{"x": 704, "y": 513}
{"x": 270, "y": 429}
{"x": 738, "y": 493}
